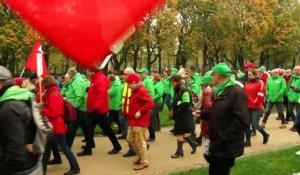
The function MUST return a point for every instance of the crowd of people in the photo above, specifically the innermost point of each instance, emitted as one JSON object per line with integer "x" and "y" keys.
{"x": 228, "y": 104}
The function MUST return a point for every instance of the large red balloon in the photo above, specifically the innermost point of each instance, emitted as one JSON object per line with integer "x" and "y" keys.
{"x": 83, "y": 29}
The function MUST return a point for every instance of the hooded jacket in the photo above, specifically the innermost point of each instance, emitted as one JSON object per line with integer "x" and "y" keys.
{"x": 292, "y": 95}
{"x": 17, "y": 129}
{"x": 255, "y": 90}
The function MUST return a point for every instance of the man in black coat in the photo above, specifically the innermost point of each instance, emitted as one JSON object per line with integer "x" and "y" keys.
{"x": 17, "y": 129}
{"x": 228, "y": 120}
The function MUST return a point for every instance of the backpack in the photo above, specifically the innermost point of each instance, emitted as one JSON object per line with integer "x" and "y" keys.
{"x": 194, "y": 98}
{"x": 70, "y": 114}
{"x": 44, "y": 130}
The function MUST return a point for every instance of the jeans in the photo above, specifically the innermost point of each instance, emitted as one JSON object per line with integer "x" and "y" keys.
{"x": 124, "y": 123}
{"x": 60, "y": 140}
{"x": 151, "y": 128}
{"x": 168, "y": 100}
{"x": 72, "y": 127}
{"x": 279, "y": 111}
{"x": 94, "y": 119}
{"x": 255, "y": 116}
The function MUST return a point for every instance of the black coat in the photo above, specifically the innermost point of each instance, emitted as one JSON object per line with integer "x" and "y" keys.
{"x": 182, "y": 114}
{"x": 17, "y": 129}
{"x": 229, "y": 119}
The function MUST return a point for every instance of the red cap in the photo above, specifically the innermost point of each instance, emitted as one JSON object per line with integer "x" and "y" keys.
{"x": 249, "y": 65}
{"x": 133, "y": 79}
{"x": 18, "y": 81}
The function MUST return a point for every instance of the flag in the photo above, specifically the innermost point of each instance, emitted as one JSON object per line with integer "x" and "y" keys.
{"x": 85, "y": 31}
{"x": 36, "y": 61}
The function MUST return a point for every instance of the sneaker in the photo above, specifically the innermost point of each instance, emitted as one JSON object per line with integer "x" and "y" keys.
{"x": 247, "y": 144}
{"x": 297, "y": 153}
{"x": 72, "y": 172}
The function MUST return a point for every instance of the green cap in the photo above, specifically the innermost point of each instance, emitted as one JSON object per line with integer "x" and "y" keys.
{"x": 207, "y": 79}
{"x": 174, "y": 71}
{"x": 221, "y": 69}
{"x": 144, "y": 70}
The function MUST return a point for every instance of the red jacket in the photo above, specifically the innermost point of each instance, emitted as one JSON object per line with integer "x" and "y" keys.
{"x": 53, "y": 109}
{"x": 255, "y": 90}
{"x": 97, "y": 98}
{"x": 140, "y": 100}
{"x": 264, "y": 77}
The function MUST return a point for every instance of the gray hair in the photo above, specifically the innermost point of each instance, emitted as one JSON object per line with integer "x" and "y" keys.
{"x": 129, "y": 70}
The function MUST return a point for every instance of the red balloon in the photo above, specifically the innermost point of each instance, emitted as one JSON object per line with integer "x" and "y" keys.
{"x": 83, "y": 29}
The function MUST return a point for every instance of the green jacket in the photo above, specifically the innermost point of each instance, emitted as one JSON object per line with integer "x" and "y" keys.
{"x": 114, "y": 94}
{"x": 121, "y": 89}
{"x": 147, "y": 82}
{"x": 16, "y": 93}
{"x": 197, "y": 78}
{"x": 293, "y": 96}
{"x": 275, "y": 88}
{"x": 195, "y": 87}
{"x": 76, "y": 92}
{"x": 158, "y": 92}
{"x": 167, "y": 85}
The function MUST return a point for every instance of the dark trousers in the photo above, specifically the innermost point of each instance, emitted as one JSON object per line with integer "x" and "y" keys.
{"x": 72, "y": 127}
{"x": 291, "y": 114}
{"x": 124, "y": 123}
{"x": 155, "y": 119}
{"x": 113, "y": 116}
{"x": 167, "y": 99}
{"x": 255, "y": 116}
{"x": 219, "y": 166}
{"x": 55, "y": 151}
{"x": 94, "y": 119}
{"x": 286, "y": 105}
{"x": 151, "y": 128}
{"x": 60, "y": 140}
{"x": 279, "y": 111}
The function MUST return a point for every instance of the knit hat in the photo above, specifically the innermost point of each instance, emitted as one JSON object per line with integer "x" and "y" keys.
{"x": 133, "y": 79}
{"x": 207, "y": 79}
{"x": 174, "y": 71}
{"x": 144, "y": 70}
{"x": 249, "y": 65}
{"x": 222, "y": 69}
{"x": 4, "y": 74}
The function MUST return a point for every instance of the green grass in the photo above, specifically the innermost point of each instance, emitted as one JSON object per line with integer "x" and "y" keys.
{"x": 280, "y": 162}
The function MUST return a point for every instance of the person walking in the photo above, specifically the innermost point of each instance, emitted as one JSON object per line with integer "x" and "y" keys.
{"x": 158, "y": 99}
{"x": 255, "y": 90}
{"x": 17, "y": 129}
{"x": 53, "y": 109}
{"x": 140, "y": 106}
{"x": 228, "y": 121}
{"x": 182, "y": 115}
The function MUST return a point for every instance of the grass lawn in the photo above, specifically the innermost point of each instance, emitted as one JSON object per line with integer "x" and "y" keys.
{"x": 281, "y": 162}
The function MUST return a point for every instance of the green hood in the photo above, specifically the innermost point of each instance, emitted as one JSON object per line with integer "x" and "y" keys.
{"x": 16, "y": 93}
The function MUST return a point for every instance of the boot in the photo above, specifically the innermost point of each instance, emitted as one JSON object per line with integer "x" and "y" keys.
{"x": 193, "y": 144}
{"x": 179, "y": 151}
{"x": 265, "y": 138}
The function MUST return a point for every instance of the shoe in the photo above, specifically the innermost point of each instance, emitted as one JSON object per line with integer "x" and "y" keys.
{"x": 85, "y": 153}
{"x": 115, "y": 150}
{"x": 247, "y": 144}
{"x": 129, "y": 154}
{"x": 177, "y": 155}
{"x": 294, "y": 130}
{"x": 199, "y": 140}
{"x": 278, "y": 118}
{"x": 137, "y": 162}
{"x": 150, "y": 139}
{"x": 148, "y": 146}
{"x": 140, "y": 166}
{"x": 84, "y": 146}
{"x": 54, "y": 162}
{"x": 83, "y": 140}
{"x": 263, "y": 125}
{"x": 122, "y": 137}
{"x": 297, "y": 153}
{"x": 253, "y": 134}
{"x": 266, "y": 138}
{"x": 71, "y": 172}
{"x": 282, "y": 126}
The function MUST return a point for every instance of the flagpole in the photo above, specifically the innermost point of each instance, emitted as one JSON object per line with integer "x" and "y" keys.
{"x": 22, "y": 72}
{"x": 40, "y": 88}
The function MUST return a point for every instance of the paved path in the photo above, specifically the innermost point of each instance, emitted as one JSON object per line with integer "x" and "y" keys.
{"x": 161, "y": 150}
